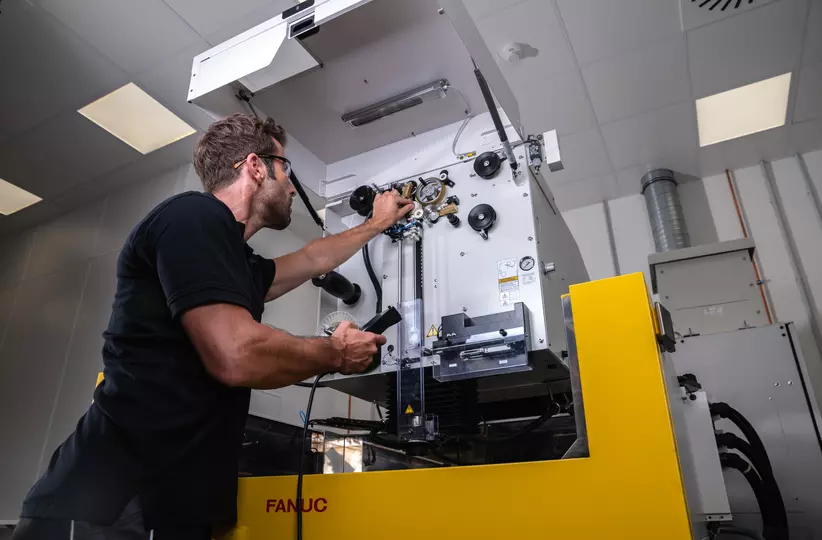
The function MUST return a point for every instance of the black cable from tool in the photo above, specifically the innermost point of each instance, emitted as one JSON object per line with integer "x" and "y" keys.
{"x": 299, "y": 500}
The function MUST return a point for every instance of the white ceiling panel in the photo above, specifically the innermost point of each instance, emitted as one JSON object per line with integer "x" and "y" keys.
{"x": 585, "y": 192}
{"x": 602, "y": 28}
{"x": 168, "y": 81}
{"x": 208, "y": 16}
{"x": 661, "y": 138}
{"x": 743, "y": 152}
{"x": 813, "y": 36}
{"x": 230, "y": 28}
{"x": 479, "y": 8}
{"x": 548, "y": 52}
{"x": 61, "y": 153}
{"x": 144, "y": 169}
{"x": 640, "y": 81}
{"x": 583, "y": 155}
{"x": 806, "y": 136}
{"x": 47, "y": 69}
{"x": 560, "y": 103}
{"x": 753, "y": 46}
{"x": 809, "y": 93}
{"x": 629, "y": 181}
{"x": 29, "y": 217}
{"x": 100, "y": 22}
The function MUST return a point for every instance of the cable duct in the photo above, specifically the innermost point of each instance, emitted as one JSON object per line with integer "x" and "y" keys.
{"x": 665, "y": 210}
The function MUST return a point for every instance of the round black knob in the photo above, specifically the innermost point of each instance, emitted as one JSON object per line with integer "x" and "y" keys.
{"x": 487, "y": 164}
{"x": 481, "y": 218}
{"x": 362, "y": 200}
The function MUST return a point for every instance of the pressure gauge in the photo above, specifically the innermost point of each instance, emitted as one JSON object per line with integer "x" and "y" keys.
{"x": 526, "y": 264}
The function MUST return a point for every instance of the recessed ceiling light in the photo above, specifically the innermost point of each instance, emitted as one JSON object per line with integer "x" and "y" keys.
{"x": 744, "y": 110}
{"x": 14, "y": 199}
{"x": 137, "y": 119}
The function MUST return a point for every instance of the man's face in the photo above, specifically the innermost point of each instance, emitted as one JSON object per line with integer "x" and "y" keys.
{"x": 274, "y": 196}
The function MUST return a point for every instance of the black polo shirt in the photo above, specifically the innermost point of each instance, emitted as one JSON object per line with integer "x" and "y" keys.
{"x": 160, "y": 426}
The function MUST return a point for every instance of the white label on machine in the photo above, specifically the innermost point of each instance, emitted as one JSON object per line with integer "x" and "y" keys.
{"x": 508, "y": 282}
{"x": 713, "y": 310}
{"x": 528, "y": 279}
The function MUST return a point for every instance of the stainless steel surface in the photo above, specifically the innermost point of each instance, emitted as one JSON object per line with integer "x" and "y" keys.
{"x": 664, "y": 210}
{"x": 741, "y": 368}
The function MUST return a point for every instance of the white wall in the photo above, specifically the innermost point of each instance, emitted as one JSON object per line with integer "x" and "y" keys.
{"x": 56, "y": 287}
{"x": 711, "y": 217}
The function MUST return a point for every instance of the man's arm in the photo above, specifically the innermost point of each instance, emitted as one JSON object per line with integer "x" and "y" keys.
{"x": 322, "y": 255}
{"x": 238, "y": 351}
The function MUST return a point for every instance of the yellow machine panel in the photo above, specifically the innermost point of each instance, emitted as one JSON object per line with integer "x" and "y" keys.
{"x": 631, "y": 486}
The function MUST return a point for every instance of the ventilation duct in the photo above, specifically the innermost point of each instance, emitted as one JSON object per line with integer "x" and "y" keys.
{"x": 664, "y": 210}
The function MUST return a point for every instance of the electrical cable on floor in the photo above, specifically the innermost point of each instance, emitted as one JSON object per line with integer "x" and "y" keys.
{"x": 302, "y": 456}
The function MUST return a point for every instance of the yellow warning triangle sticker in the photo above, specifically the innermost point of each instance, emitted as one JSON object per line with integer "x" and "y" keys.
{"x": 409, "y": 410}
{"x": 432, "y": 332}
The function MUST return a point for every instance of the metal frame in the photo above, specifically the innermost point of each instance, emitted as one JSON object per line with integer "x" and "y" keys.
{"x": 631, "y": 486}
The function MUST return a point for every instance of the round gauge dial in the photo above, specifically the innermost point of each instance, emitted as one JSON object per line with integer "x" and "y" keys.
{"x": 526, "y": 264}
{"x": 432, "y": 192}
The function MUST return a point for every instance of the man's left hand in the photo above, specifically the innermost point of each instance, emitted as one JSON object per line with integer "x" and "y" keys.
{"x": 389, "y": 208}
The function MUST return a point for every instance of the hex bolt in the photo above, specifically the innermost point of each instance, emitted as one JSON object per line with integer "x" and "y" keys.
{"x": 464, "y": 309}
{"x": 385, "y": 276}
{"x": 462, "y": 254}
{"x": 790, "y": 383}
{"x": 776, "y": 384}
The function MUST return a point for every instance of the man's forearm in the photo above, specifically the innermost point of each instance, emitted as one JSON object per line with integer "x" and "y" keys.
{"x": 274, "y": 359}
{"x": 330, "y": 252}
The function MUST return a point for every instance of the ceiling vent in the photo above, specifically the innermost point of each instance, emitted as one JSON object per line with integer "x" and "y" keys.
{"x": 696, "y": 13}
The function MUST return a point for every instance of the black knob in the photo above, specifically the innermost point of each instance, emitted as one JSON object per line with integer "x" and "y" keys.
{"x": 454, "y": 220}
{"x": 502, "y": 332}
{"x": 481, "y": 218}
{"x": 362, "y": 200}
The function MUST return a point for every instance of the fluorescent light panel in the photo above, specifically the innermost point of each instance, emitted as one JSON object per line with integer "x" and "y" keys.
{"x": 744, "y": 110}
{"x": 13, "y": 199}
{"x": 137, "y": 119}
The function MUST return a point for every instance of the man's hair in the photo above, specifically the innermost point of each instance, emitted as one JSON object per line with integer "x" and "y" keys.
{"x": 230, "y": 140}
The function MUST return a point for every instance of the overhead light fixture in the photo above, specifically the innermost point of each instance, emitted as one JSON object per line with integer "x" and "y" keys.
{"x": 406, "y": 100}
{"x": 744, "y": 110}
{"x": 137, "y": 119}
{"x": 13, "y": 199}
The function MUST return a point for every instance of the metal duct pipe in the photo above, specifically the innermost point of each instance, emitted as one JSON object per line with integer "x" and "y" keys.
{"x": 665, "y": 210}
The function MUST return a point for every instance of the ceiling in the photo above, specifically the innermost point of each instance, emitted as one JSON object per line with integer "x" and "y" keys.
{"x": 616, "y": 79}
{"x": 619, "y": 80}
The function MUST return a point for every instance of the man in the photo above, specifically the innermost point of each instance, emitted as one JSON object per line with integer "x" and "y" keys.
{"x": 155, "y": 456}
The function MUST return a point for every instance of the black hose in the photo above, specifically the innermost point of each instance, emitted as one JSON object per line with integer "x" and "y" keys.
{"x": 723, "y": 410}
{"x": 304, "y": 198}
{"x": 302, "y": 455}
{"x": 373, "y": 277}
{"x": 760, "y": 462}
{"x": 771, "y": 529}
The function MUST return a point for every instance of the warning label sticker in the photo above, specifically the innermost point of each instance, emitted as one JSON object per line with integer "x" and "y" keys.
{"x": 432, "y": 332}
{"x": 409, "y": 409}
{"x": 508, "y": 282}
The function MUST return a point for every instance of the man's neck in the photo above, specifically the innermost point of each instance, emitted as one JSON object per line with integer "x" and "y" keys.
{"x": 239, "y": 204}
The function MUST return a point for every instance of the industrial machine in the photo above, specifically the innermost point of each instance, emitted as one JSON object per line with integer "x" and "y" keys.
{"x": 523, "y": 397}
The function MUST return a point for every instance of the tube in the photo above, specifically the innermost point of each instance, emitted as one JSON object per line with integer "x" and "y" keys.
{"x": 771, "y": 530}
{"x": 492, "y": 109}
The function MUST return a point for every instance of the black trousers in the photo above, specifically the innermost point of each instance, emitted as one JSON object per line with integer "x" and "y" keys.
{"x": 129, "y": 526}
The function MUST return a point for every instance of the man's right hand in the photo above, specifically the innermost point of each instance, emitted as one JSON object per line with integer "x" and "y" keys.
{"x": 389, "y": 208}
{"x": 356, "y": 347}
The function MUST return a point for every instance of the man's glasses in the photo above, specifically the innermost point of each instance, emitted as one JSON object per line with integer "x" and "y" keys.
{"x": 286, "y": 163}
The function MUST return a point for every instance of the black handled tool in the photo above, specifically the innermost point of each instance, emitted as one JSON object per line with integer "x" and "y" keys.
{"x": 379, "y": 324}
